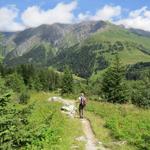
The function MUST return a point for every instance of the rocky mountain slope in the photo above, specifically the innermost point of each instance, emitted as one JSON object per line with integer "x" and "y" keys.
{"x": 58, "y": 35}
{"x": 86, "y": 47}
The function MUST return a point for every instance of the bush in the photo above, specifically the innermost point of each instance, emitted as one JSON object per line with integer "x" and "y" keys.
{"x": 24, "y": 97}
{"x": 140, "y": 95}
{"x": 15, "y": 82}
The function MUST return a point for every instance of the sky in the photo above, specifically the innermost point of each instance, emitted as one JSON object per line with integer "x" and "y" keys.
{"x": 17, "y": 15}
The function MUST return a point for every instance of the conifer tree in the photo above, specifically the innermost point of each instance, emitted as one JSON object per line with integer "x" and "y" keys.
{"x": 113, "y": 85}
{"x": 7, "y": 117}
{"x": 13, "y": 122}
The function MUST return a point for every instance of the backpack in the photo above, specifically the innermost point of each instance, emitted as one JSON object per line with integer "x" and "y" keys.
{"x": 83, "y": 101}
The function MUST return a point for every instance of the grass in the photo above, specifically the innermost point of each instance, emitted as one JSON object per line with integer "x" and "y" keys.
{"x": 111, "y": 124}
{"x": 104, "y": 134}
{"x": 59, "y": 131}
{"x": 114, "y": 33}
{"x": 129, "y": 56}
{"x": 125, "y": 123}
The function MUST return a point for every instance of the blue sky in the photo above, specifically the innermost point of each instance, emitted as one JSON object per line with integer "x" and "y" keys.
{"x": 84, "y": 5}
{"x": 22, "y": 14}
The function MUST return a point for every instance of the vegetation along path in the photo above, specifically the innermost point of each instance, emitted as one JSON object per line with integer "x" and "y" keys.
{"x": 69, "y": 107}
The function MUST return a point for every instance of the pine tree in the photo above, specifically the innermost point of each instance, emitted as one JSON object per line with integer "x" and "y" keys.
{"x": 13, "y": 123}
{"x": 7, "y": 118}
{"x": 113, "y": 85}
{"x": 67, "y": 81}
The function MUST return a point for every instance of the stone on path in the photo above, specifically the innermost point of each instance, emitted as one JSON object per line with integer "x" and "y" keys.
{"x": 81, "y": 138}
{"x": 70, "y": 109}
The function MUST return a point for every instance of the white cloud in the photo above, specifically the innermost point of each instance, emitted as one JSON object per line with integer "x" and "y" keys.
{"x": 139, "y": 19}
{"x": 62, "y": 13}
{"x": 137, "y": 12}
{"x": 108, "y": 12}
{"x": 7, "y": 19}
{"x": 34, "y": 16}
{"x": 147, "y": 14}
{"x": 84, "y": 16}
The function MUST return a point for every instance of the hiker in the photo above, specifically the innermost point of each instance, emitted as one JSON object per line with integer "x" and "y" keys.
{"x": 82, "y": 104}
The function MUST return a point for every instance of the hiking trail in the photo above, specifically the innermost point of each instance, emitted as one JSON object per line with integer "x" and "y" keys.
{"x": 70, "y": 109}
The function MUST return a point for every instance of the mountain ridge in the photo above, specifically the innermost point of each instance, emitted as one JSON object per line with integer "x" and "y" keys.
{"x": 95, "y": 41}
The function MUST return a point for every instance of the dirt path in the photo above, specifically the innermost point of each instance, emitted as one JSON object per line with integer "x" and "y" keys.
{"x": 91, "y": 142}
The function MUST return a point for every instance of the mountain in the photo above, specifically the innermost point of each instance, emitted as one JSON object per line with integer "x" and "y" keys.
{"x": 58, "y": 35}
{"x": 140, "y": 32}
{"x": 86, "y": 47}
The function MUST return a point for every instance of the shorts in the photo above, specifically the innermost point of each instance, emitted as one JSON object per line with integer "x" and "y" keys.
{"x": 81, "y": 106}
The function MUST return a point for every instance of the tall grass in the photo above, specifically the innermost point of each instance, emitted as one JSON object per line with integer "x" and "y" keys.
{"x": 125, "y": 121}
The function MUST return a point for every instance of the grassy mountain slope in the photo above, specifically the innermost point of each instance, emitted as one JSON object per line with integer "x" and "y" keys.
{"x": 96, "y": 52}
{"x": 58, "y": 35}
{"x": 130, "y": 56}
{"x": 86, "y": 47}
{"x": 114, "y": 33}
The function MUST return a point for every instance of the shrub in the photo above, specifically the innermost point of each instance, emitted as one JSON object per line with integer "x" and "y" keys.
{"x": 140, "y": 95}
{"x": 24, "y": 97}
{"x": 15, "y": 82}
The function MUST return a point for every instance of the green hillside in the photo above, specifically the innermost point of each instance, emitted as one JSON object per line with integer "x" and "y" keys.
{"x": 113, "y": 33}
{"x": 130, "y": 56}
{"x": 97, "y": 52}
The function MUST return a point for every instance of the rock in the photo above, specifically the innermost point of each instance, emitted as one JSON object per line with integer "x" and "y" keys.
{"x": 55, "y": 99}
{"x": 120, "y": 143}
{"x": 81, "y": 138}
{"x": 75, "y": 147}
{"x": 69, "y": 109}
{"x": 100, "y": 143}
